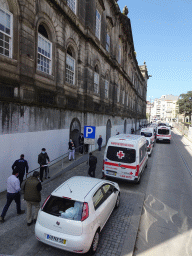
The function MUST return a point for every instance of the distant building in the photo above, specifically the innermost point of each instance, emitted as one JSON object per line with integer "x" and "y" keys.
{"x": 165, "y": 108}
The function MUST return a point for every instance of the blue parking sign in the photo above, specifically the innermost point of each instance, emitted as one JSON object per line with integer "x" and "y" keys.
{"x": 89, "y": 132}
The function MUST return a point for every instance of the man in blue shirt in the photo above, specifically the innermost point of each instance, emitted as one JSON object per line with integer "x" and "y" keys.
{"x": 13, "y": 188}
{"x": 21, "y": 165}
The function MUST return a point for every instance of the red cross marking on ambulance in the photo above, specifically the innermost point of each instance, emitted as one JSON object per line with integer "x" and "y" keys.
{"x": 120, "y": 154}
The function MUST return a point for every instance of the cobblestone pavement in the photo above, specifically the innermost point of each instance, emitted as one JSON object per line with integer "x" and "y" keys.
{"x": 117, "y": 237}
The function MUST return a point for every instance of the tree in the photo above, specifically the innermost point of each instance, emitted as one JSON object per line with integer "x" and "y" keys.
{"x": 185, "y": 104}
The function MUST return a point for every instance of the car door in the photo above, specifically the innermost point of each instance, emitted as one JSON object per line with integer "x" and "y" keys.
{"x": 102, "y": 204}
{"x": 110, "y": 197}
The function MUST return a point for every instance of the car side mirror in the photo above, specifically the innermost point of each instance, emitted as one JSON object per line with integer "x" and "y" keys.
{"x": 115, "y": 190}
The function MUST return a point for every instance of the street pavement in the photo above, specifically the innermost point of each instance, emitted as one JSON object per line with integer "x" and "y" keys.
{"x": 166, "y": 222}
{"x": 117, "y": 237}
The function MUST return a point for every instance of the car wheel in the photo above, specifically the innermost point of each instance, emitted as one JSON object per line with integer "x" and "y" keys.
{"x": 146, "y": 165}
{"x": 117, "y": 201}
{"x": 95, "y": 243}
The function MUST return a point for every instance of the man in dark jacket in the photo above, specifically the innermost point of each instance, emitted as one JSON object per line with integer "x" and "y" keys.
{"x": 81, "y": 143}
{"x": 42, "y": 160}
{"x": 21, "y": 165}
{"x": 99, "y": 142}
{"x": 92, "y": 165}
{"x": 32, "y": 195}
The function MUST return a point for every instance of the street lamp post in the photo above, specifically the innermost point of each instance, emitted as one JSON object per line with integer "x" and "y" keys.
{"x": 150, "y": 108}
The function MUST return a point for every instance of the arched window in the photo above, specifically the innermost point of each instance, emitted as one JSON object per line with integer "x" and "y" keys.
{"x": 96, "y": 79}
{"x": 44, "y": 59}
{"x": 106, "y": 87}
{"x": 118, "y": 93}
{"x": 6, "y": 32}
{"x": 119, "y": 52}
{"x": 70, "y": 66}
{"x": 127, "y": 99}
{"x": 98, "y": 24}
{"x": 123, "y": 97}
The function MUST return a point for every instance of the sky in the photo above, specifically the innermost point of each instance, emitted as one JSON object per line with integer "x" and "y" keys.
{"x": 162, "y": 35}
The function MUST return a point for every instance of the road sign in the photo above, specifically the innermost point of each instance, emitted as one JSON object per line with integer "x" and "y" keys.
{"x": 89, "y": 135}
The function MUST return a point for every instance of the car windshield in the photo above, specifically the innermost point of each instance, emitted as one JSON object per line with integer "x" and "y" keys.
{"x": 122, "y": 155}
{"x": 64, "y": 208}
{"x": 163, "y": 131}
{"x": 146, "y": 134}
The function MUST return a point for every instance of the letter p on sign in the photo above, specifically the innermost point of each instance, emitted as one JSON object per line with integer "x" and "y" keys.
{"x": 89, "y": 130}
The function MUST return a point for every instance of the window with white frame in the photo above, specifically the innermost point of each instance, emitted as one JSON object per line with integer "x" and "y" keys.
{"x": 98, "y": 24}
{"x": 106, "y": 89}
{"x": 119, "y": 54}
{"x": 44, "y": 59}
{"x": 123, "y": 98}
{"x": 118, "y": 93}
{"x": 70, "y": 68}
{"x": 96, "y": 81}
{"x": 72, "y": 5}
{"x": 108, "y": 42}
{"x": 6, "y": 32}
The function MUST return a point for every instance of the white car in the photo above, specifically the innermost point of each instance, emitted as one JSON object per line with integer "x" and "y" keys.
{"x": 73, "y": 216}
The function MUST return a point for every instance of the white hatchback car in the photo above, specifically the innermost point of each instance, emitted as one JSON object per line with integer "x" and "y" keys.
{"x": 72, "y": 217}
{"x": 149, "y": 146}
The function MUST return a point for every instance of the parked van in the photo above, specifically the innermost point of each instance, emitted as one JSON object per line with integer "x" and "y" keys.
{"x": 149, "y": 133}
{"x": 149, "y": 146}
{"x": 163, "y": 134}
{"x": 125, "y": 157}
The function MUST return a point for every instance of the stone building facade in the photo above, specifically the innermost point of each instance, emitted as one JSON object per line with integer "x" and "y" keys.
{"x": 65, "y": 64}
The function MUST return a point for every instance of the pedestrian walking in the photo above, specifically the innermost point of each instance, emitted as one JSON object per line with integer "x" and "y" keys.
{"x": 92, "y": 164}
{"x": 42, "y": 161}
{"x": 99, "y": 142}
{"x": 21, "y": 165}
{"x": 13, "y": 188}
{"x": 32, "y": 195}
{"x": 81, "y": 143}
{"x": 71, "y": 150}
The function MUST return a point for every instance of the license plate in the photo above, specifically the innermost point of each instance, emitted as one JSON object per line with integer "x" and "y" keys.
{"x": 111, "y": 173}
{"x": 56, "y": 239}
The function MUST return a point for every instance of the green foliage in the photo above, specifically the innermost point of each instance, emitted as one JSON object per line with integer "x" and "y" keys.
{"x": 185, "y": 103}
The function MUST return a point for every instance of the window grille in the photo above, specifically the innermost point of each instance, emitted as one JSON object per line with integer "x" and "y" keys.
{"x": 44, "y": 54}
{"x": 107, "y": 42}
{"x": 70, "y": 69}
{"x": 72, "y": 5}
{"x": 6, "y": 31}
{"x": 98, "y": 24}
{"x": 96, "y": 82}
{"x": 106, "y": 89}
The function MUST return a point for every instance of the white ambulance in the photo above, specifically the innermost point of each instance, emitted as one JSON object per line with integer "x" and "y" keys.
{"x": 149, "y": 133}
{"x": 163, "y": 134}
{"x": 125, "y": 157}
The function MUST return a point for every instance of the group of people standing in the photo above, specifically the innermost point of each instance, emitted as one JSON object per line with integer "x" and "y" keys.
{"x": 31, "y": 186}
{"x": 82, "y": 147}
